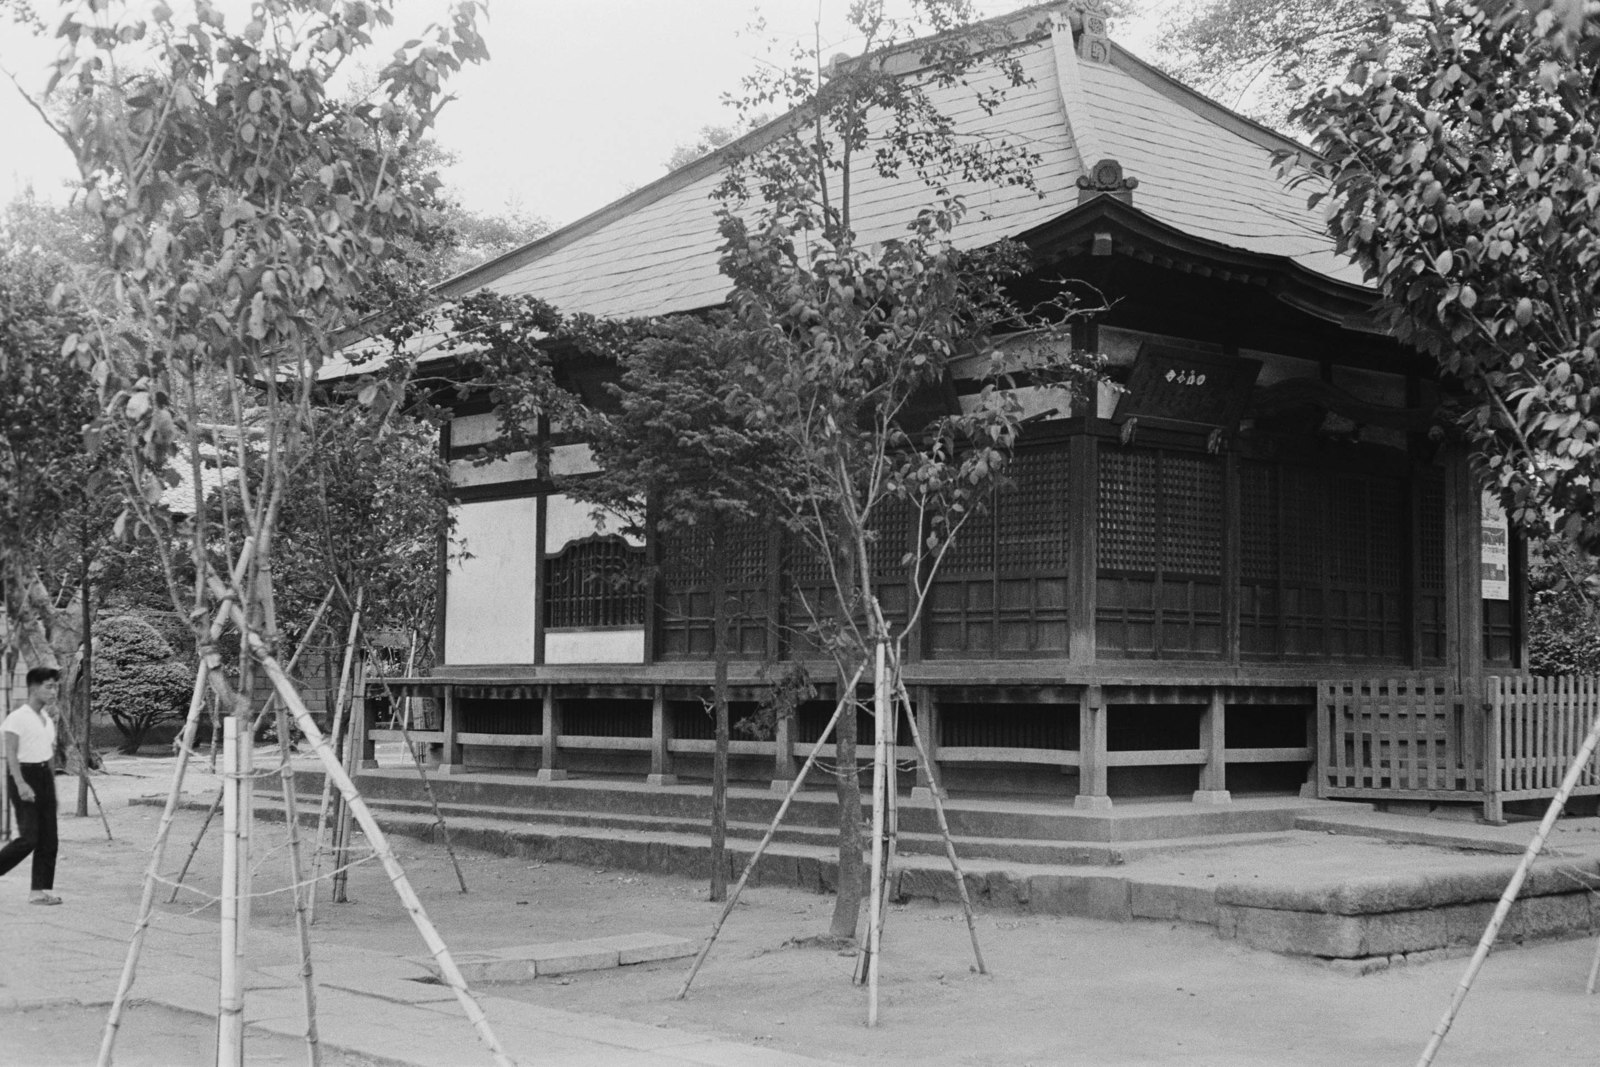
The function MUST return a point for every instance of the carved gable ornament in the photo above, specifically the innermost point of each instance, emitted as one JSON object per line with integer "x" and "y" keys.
{"x": 1106, "y": 178}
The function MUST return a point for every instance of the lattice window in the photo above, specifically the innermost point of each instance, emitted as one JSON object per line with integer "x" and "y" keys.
{"x": 893, "y": 528}
{"x": 1430, "y": 530}
{"x": 594, "y": 582}
{"x": 1033, "y": 509}
{"x": 1191, "y": 519}
{"x": 686, "y": 609}
{"x": 1259, "y": 533}
{"x": 1128, "y": 510}
{"x": 685, "y": 557}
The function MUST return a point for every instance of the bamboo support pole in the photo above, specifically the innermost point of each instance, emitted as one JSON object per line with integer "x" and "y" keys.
{"x": 268, "y": 708}
{"x": 302, "y": 924}
{"x": 1594, "y": 969}
{"x": 880, "y": 751}
{"x": 85, "y": 784}
{"x": 197, "y": 701}
{"x": 230, "y": 984}
{"x": 352, "y": 758}
{"x": 427, "y": 787}
{"x": 211, "y": 813}
{"x": 1552, "y": 813}
{"x": 375, "y": 838}
{"x": 336, "y": 725}
{"x": 147, "y": 898}
{"x": 944, "y": 830}
{"x": 846, "y": 698}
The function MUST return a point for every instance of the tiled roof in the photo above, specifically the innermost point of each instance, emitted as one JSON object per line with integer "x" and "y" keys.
{"x": 1200, "y": 169}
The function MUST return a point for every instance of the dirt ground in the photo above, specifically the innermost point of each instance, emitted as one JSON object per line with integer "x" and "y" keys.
{"x": 1061, "y": 991}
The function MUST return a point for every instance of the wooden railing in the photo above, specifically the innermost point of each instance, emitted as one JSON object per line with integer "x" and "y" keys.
{"x": 1421, "y": 738}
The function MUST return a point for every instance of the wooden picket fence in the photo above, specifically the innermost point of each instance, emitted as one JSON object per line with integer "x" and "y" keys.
{"x": 1501, "y": 738}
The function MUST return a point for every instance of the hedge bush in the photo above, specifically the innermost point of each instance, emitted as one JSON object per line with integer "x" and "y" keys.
{"x": 138, "y": 682}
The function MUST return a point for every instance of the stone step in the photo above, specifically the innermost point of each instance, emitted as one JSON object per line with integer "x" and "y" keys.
{"x": 520, "y": 963}
{"x": 1023, "y": 850}
{"x": 1050, "y": 820}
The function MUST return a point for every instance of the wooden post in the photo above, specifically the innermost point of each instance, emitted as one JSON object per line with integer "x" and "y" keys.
{"x": 1092, "y": 794}
{"x": 361, "y": 724}
{"x": 927, "y": 711}
{"x": 783, "y": 766}
{"x": 451, "y": 761}
{"x": 661, "y": 772}
{"x": 550, "y": 765}
{"x": 1316, "y": 740}
{"x": 1214, "y": 775}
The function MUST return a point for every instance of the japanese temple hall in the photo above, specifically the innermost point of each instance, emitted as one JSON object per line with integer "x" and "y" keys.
{"x": 1154, "y": 603}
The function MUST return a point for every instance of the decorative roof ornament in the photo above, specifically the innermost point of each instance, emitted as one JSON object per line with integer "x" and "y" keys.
{"x": 1106, "y": 178}
{"x": 1093, "y": 38}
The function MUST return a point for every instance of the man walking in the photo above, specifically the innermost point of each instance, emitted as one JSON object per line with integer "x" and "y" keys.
{"x": 29, "y": 733}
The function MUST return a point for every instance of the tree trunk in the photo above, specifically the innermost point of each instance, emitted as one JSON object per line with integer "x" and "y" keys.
{"x": 847, "y": 904}
{"x": 719, "y": 697}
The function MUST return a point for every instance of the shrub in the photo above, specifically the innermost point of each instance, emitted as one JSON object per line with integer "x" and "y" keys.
{"x": 138, "y": 683}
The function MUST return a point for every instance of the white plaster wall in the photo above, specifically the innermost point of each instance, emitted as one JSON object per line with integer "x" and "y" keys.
{"x": 568, "y": 520}
{"x": 594, "y": 646}
{"x": 518, "y": 465}
{"x": 491, "y": 599}
{"x": 572, "y": 459}
{"x": 469, "y": 430}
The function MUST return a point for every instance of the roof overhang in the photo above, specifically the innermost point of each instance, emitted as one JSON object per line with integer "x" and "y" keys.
{"x": 1107, "y": 226}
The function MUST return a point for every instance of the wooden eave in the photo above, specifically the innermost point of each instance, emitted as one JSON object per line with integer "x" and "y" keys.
{"x": 1106, "y": 226}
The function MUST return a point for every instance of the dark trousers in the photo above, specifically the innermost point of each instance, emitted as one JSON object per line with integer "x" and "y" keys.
{"x": 36, "y": 825}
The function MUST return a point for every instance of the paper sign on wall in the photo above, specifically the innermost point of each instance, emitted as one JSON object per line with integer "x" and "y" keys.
{"x": 1496, "y": 549}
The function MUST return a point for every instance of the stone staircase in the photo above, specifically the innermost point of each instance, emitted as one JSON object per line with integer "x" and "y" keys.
{"x": 1328, "y": 879}
{"x": 621, "y": 823}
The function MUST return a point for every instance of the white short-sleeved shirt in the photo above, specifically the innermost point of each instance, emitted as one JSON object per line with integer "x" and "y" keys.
{"x": 35, "y": 732}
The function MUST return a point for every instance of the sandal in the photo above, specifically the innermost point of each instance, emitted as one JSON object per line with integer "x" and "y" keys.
{"x": 45, "y": 899}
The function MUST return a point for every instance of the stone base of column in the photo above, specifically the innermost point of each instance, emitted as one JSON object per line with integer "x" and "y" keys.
{"x": 925, "y": 792}
{"x": 781, "y": 785}
{"x": 650, "y": 779}
{"x": 452, "y": 768}
{"x": 1308, "y": 790}
{"x": 551, "y": 775}
{"x": 1213, "y": 796}
{"x": 367, "y": 765}
{"x": 1083, "y": 802}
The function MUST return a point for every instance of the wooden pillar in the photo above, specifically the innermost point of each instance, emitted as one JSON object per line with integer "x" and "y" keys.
{"x": 783, "y": 765}
{"x": 550, "y": 764}
{"x": 367, "y": 752}
{"x": 661, "y": 772}
{"x": 451, "y": 760}
{"x": 1083, "y": 575}
{"x": 928, "y": 778}
{"x": 1213, "y": 738}
{"x": 1092, "y": 792}
{"x": 1317, "y": 740}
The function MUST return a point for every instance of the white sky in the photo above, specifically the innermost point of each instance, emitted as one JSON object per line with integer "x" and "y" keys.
{"x": 580, "y": 102}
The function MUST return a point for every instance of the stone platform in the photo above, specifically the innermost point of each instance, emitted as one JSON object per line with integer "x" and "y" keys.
{"x": 1332, "y": 880}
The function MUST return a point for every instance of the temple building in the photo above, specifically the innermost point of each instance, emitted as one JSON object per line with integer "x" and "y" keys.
{"x": 1176, "y": 571}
